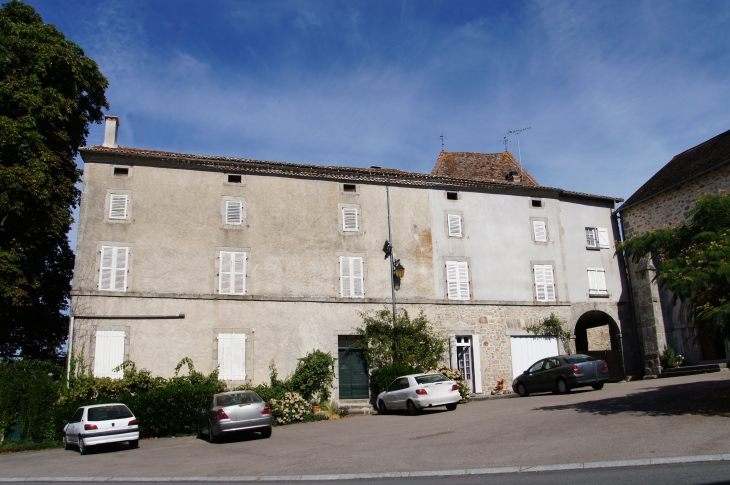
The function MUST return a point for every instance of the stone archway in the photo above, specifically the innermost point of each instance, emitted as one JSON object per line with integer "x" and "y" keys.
{"x": 597, "y": 334}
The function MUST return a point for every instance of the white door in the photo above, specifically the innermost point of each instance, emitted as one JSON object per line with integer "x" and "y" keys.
{"x": 529, "y": 349}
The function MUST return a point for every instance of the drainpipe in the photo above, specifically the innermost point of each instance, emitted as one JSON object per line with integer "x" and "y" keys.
{"x": 69, "y": 351}
{"x": 631, "y": 297}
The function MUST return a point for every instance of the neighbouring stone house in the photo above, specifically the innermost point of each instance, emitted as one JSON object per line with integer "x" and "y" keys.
{"x": 662, "y": 201}
{"x": 237, "y": 263}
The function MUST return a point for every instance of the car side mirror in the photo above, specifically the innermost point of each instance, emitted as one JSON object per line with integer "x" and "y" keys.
{"x": 65, "y": 421}
{"x": 201, "y": 410}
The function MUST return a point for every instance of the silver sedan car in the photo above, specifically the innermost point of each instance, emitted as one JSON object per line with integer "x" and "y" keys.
{"x": 418, "y": 391}
{"x": 100, "y": 424}
{"x": 234, "y": 411}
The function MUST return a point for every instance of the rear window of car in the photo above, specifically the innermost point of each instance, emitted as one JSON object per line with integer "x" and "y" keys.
{"x": 107, "y": 413}
{"x": 430, "y": 378}
{"x": 578, "y": 358}
{"x": 237, "y": 398}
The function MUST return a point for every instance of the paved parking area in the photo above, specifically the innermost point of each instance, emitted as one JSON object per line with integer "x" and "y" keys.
{"x": 643, "y": 419}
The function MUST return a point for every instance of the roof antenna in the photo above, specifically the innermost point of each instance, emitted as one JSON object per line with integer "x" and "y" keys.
{"x": 505, "y": 141}
{"x": 442, "y": 141}
{"x": 519, "y": 152}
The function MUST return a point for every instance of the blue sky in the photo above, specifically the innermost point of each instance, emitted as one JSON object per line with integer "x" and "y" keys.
{"x": 611, "y": 90}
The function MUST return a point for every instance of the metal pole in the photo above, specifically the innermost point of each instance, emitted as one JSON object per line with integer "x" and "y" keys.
{"x": 390, "y": 240}
{"x": 69, "y": 352}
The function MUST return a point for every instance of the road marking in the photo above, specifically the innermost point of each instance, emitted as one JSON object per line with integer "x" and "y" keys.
{"x": 360, "y": 476}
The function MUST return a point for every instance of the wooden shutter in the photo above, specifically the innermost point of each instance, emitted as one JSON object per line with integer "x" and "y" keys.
{"x": 349, "y": 219}
{"x": 232, "y": 356}
{"x": 603, "y": 240}
{"x": 591, "y": 238}
{"x": 597, "y": 281}
{"x": 232, "y": 273}
{"x": 540, "y": 231}
{"x": 234, "y": 212}
{"x": 358, "y": 290}
{"x": 351, "y": 277}
{"x": 457, "y": 280}
{"x": 454, "y": 222}
{"x": 109, "y": 353}
{"x": 592, "y": 284}
{"x": 113, "y": 268}
{"x": 549, "y": 282}
{"x": 544, "y": 282}
{"x": 118, "y": 206}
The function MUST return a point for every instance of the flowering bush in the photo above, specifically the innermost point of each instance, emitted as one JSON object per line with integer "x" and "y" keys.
{"x": 456, "y": 376}
{"x": 293, "y": 407}
{"x": 671, "y": 358}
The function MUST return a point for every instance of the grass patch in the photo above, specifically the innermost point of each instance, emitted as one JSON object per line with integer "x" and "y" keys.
{"x": 15, "y": 446}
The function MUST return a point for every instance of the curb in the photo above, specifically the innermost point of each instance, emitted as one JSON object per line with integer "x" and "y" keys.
{"x": 360, "y": 476}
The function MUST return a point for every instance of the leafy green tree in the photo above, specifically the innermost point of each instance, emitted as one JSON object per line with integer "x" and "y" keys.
{"x": 408, "y": 343}
{"x": 693, "y": 262}
{"x": 49, "y": 93}
{"x": 553, "y": 326}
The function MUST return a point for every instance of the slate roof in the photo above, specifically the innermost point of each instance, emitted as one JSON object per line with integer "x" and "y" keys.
{"x": 493, "y": 167}
{"x": 102, "y": 154}
{"x": 684, "y": 167}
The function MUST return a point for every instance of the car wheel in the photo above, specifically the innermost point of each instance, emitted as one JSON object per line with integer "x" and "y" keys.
{"x": 412, "y": 409}
{"x": 83, "y": 449}
{"x": 522, "y": 390}
{"x": 211, "y": 436}
{"x": 561, "y": 387}
{"x": 381, "y": 407}
{"x": 266, "y": 433}
{"x": 597, "y": 386}
{"x": 451, "y": 407}
{"x": 133, "y": 444}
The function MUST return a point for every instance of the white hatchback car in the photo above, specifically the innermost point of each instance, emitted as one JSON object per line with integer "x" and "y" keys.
{"x": 418, "y": 391}
{"x": 100, "y": 424}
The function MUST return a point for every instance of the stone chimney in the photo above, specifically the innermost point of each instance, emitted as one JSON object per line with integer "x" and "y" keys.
{"x": 110, "y": 132}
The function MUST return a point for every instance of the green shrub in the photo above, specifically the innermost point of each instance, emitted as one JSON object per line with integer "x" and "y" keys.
{"x": 671, "y": 358}
{"x": 383, "y": 376}
{"x": 313, "y": 376}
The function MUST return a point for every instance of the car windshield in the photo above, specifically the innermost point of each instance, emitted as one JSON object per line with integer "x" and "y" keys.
{"x": 237, "y": 398}
{"x": 578, "y": 358}
{"x": 107, "y": 413}
{"x": 429, "y": 378}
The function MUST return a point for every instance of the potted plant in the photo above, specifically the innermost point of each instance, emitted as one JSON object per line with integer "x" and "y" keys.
{"x": 671, "y": 358}
{"x": 500, "y": 383}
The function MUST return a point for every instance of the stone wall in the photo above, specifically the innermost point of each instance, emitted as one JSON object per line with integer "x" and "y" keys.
{"x": 599, "y": 338}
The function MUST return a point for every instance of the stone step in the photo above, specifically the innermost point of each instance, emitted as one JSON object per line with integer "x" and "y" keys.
{"x": 357, "y": 406}
{"x": 690, "y": 370}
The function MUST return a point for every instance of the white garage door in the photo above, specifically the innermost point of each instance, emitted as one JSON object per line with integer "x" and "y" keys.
{"x": 528, "y": 350}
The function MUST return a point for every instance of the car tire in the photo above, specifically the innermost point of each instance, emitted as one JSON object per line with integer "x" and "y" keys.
{"x": 133, "y": 444}
{"x": 451, "y": 407}
{"x": 597, "y": 386}
{"x": 211, "y": 436}
{"x": 83, "y": 449}
{"x": 561, "y": 387}
{"x": 412, "y": 409}
{"x": 381, "y": 407}
{"x": 266, "y": 432}
{"x": 522, "y": 390}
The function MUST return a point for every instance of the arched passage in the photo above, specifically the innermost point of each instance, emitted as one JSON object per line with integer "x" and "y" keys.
{"x": 598, "y": 335}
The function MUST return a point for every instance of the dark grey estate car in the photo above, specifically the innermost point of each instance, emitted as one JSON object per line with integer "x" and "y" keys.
{"x": 562, "y": 373}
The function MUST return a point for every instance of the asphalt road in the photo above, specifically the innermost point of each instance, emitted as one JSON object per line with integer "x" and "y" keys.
{"x": 623, "y": 421}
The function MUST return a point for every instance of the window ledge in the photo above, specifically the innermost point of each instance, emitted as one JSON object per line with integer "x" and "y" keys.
{"x": 591, "y": 248}
{"x": 599, "y": 295}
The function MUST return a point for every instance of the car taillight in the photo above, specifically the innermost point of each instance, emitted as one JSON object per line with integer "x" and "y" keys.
{"x": 605, "y": 365}
{"x": 575, "y": 369}
{"x": 221, "y": 414}
{"x": 455, "y": 387}
{"x": 421, "y": 392}
{"x": 132, "y": 422}
{"x": 90, "y": 426}
{"x": 267, "y": 409}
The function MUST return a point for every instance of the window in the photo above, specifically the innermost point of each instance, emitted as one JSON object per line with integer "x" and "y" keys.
{"x": 349, "y": 219}
{"x": 454, "y": 222}
{"x": 113, "y": 268}
{"x": 349, "y": 188}
{"x": 109, "y": 353}
{"x": 597, "y": 237}
{"x": 232, "y": 273}
{"x": 351, "y": 277}
{"x": 452, "y": 195}
{"x": 537, "y": 367}
{"x": 544, "y": 282}
{"x": 234, "y": 212}
{"x": 232, "y": 356}
{"x": 536, "y": 203}
{"x": 121, "y": 171}
{"x": 538, "y": 228}
{"x": 118, "y": 206}
{"x": 597, "y": 281}
{"x": 457, "y": 280}
{"x": 234, "y": 179}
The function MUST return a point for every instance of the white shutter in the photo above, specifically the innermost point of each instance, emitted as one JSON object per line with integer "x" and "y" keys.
{"x": 232, "y": 356}
{"x": 224, "y": 273}
{"x": 345, "y": 279}
{"x": 457, "y": 280}
{"x": 106, "y": 268}
{"x": 232, "y": 273}
{"x": 477, "y": 360}
{"x": 544, "y": 283}
{"x": 358, "y": 290}
{"x": 601, "y": 280}
{"x": 597, "y": 281}
{"x": 351, "y": 277}
{"x": 120, "y": 269}
{"x": 592, "y": 283}
{"x": 454, "y": 221}
{"x": 603, "y": 240}
{"x": 540, "y": 232}
{"x": 234, "y": 212}
{"x": 109, "y": 353}
{"x": 118, "y": 206}
{"x": 591, "y": 238}
{"x": 113, "y": 268}
{"x": 463, "y": 280}
{"x": 349, "y": 219}
{"x": 549, "y": 282}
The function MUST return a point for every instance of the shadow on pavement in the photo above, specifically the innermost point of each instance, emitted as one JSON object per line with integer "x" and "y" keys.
{"x": 708, "y": 398}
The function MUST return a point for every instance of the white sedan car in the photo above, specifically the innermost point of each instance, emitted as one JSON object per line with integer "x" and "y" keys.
{"x": 418, "y": 391}
{"x": 100, "y": 424}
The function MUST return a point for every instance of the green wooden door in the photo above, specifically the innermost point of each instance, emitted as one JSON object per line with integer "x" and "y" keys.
{"x": 353, "y": 373}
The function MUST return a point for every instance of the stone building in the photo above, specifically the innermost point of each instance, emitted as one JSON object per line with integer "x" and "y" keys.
{"x": 236, "y": 263}
{"x": 663, "y": 201}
